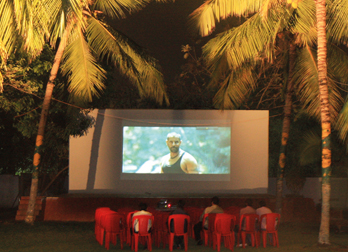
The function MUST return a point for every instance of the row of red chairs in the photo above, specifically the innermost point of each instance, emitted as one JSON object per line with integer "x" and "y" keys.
{"x": 221, "y": 226}
{"x": 121, "y": 224}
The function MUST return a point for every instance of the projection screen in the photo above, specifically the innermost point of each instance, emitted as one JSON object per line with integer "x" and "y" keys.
{"x": 125, "y": 151}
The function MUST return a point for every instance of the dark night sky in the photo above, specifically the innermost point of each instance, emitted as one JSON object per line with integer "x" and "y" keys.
{"x": 162, "y": 30}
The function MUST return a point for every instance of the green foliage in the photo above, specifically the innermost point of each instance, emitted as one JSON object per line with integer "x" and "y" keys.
{"x": 20, "y": 112}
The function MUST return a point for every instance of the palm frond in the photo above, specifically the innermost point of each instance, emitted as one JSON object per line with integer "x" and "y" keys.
{"x": 310, "y": 148}
{"x": 32, "y": 24}
{"x": 243, "y": 43}
{"x": 303, "y": 23}
{"x": 63, "y": 11}
{"x": 338, "y": 64}
{"x": 205, "y": 17}
{"x": 306, "y": 79}
{"x": 337, "y": 21}
{"x": 118, "y": 8}
{"x": 8, "y": 29}
{"x": 85, "y": 76}
{"x": 235, "y": 88}
{"x": 342, "y": 123}
{"x": 131, "y": 60}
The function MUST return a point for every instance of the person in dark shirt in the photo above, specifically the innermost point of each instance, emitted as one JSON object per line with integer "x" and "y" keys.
{"x": 177, "y": 161}
{"x": 179, "y": 240}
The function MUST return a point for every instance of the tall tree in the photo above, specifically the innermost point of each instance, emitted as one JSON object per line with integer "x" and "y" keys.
{"x": 286, "y": 123}
{"x": 325, "y": 123}
{"x": 83, "y": 39}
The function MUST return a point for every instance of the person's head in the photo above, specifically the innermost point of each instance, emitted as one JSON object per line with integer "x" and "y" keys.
{"x": 180, "y": 204}
{"x": 262, "y": 203}
{"x": 173, "y": 142}
{"x": 142, "y": 206}
{"x": 248, "y": 202}
{"x": 215, "y": 200}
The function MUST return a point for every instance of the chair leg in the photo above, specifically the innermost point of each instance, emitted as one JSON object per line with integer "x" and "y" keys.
{"x": 135, "y": 243}
{"x": 101, "y": 236}
{"x": 243, "y": 235}
{"x": 218, "y": 241}
{"x": 107, "y": 240}
{"x": 232, "y": 241}
{"x": 264, "y": 238}
{"x": 276, "y": 239}
{"x": 186, "y": 241}
{"x": 149, "y": 243}
{"x": 171, "y": 241}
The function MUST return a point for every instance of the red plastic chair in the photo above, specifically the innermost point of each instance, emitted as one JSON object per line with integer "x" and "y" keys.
{"x": 164, "y": 229}
{"x": 160, "y": 228}
{"x": 224, "y": 227}
{"x": 247, "y": 225}
{"x": 113, "y": 225}
{"x": 143, "y": 222}
{"x": 98, "y": 231}
{"x": 125, "y": 211}
{"x": 234, "y": 210}
{"x": 178, "y": 228}
{"x": 129, "y": 227}
{"x": 272, "y": 221}
{"x": 208, "y": 233}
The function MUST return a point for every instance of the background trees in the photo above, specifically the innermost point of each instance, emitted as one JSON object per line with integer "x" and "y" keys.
{"x": 238, "y": 56}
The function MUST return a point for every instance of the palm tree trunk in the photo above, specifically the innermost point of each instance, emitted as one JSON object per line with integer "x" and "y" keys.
{"x": 286, "y": 127}
{"x": 30, "y": 218}
{"x": 325, "y": 123}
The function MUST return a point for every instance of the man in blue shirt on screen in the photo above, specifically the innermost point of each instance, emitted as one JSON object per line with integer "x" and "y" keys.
{"x": 177, "y": 161}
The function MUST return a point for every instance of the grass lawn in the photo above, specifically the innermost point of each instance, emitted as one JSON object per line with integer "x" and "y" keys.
{"x": 77, "y": 236}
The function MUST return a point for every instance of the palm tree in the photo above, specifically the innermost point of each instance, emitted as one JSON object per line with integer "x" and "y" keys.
{"x": 325, "y": 123}
{"x": 286, "y": 124}
{"x": 83, "y": 38}
{"x": 233, "y": 54}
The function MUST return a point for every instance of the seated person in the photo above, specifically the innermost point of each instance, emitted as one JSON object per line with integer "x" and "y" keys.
{"x": 142, "y": 211}
{"x": 263, "y": 210}
{"x": 179, "y": 240}
{"x": 214, "y": 208}
{"x": 248, "y": 209}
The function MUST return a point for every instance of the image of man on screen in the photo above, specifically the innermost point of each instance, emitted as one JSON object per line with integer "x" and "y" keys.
{"x": 177, "y": 161}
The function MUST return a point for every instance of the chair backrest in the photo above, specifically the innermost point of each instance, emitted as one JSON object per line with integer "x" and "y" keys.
{"x": 234, "y": 210}
{"x": 180, "y": 223}
{"x": 99, "y": 211}
{"x": 113, "y": 222}
{"x": 209, "y": 219}
{"x": 224, "y": 223}
{"x": 143, "y": 222}
{"x": 248, "y": 222}
{"x": 272, "y": 221}
{"x": 129, "y": 218}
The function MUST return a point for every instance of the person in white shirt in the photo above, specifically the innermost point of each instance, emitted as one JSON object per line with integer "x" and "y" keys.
{"x": 142, "y": 208}
{"x": 248, "y": 209}
{"x": 263, "y": 210}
